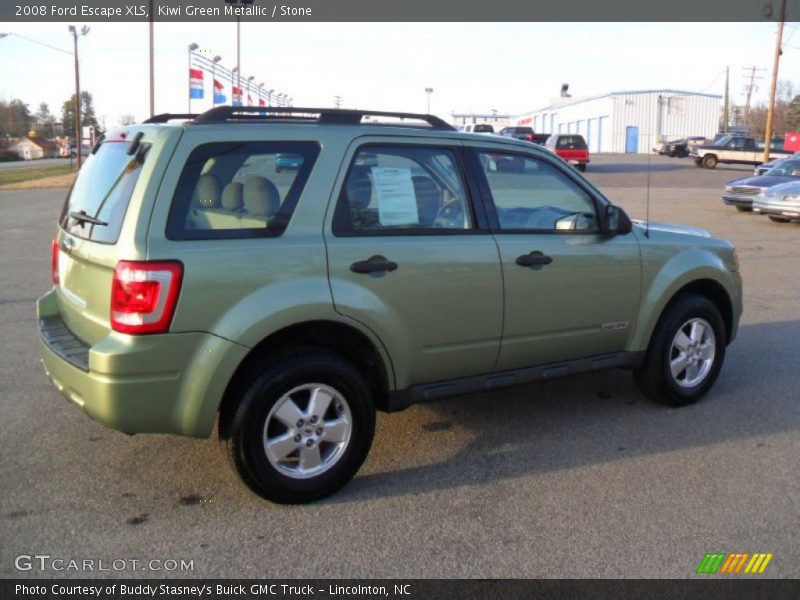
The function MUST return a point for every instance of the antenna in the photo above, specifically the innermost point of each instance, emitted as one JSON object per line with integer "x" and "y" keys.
{"x": 647, "y": 201}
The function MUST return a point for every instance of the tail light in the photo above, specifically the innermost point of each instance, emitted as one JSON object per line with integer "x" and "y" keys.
{"x": 54, "y": 261}
{"x": 144, "y": 296}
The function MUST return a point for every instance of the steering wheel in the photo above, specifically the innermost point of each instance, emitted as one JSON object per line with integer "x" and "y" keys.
{"x": 451, "y": 216}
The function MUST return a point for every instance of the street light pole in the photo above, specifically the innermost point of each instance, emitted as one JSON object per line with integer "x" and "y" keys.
{"x": 78, "y": 140}
{"x": 239, "y": 55}
{"x": 429, "y": 91}
{"x": 152, "y": 63}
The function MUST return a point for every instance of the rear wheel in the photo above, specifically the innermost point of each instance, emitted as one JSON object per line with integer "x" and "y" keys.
{"x": 710, "y": 161}
{"x": 582, "y": 167}
{"x": 685, "y": 353}
{"x": 303, "y": 427}
{"x": 744, "y": 208}
{"x": 775, "y": 219}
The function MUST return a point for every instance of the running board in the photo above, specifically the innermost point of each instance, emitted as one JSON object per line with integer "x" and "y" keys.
{"x": 427, "y": 392}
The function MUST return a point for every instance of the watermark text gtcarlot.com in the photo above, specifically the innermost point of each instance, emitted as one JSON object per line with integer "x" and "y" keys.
{"x": 46, "y": 562}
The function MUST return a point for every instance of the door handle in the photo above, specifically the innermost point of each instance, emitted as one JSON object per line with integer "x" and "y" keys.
{"x": 534, "y": 259}
{"x": 374, "y": 264}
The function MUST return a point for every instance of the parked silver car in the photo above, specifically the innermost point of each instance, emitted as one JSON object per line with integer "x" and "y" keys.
{"x": 781, "y": 203}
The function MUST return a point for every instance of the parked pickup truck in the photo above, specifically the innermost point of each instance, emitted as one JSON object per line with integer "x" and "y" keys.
{"x": 733, "y": 150}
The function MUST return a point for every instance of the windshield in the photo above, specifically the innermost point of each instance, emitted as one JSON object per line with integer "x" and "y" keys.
{"x": 102, "y": 192}
{"x": 790, "y": 168}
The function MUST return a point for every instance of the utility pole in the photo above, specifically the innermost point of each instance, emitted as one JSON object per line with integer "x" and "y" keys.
{"x": 749, "y": 88}
{"x": 775, "y": 65}
{"x": 725, "y": 115}
{"x": 337, "y": 101}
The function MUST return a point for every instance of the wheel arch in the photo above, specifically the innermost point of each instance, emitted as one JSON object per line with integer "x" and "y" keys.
{"x": 707, "y": 287}
{"x": 357, "y": 347}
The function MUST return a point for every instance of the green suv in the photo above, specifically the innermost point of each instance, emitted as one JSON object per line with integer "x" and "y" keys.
{"x": 284, "y": 272}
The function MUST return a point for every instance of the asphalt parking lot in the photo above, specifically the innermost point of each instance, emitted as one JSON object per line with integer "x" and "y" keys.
{"x": 579, "y": 477}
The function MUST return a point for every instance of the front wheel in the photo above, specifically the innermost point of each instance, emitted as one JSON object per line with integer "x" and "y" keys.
{"x": 685, "y": 353}
{"x": 303, "y": 427}
{"x": 775, "y": 219}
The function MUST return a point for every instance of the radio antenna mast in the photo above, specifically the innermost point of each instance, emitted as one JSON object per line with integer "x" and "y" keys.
{"x": 647, "y": 202}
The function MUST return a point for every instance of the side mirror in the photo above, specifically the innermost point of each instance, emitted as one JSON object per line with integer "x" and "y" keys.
{"x": 617, "y": 221}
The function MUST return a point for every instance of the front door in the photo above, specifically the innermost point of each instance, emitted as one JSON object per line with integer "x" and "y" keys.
{"x": 409, "y": 257}
{"x": 570, "y": 290}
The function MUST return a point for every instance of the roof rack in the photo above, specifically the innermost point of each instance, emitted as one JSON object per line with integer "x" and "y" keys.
{"x": 322, "y": 116}
{"x": 165, "y": 117}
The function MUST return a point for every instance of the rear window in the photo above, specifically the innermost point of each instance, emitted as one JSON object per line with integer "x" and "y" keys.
{"x": 523, "y": 130}
{"x": 239, "y": 189}
{"x": 484, "y": 129}
{"x": 102, "y": 192}
{"x": 571, "y": 142}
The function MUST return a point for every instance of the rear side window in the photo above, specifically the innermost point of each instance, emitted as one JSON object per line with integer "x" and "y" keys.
{"x": 102, "y": 192}
{"x": 239, "y": 189}
{"x": 398, "y": 190}
{"x": 571, "y": 142}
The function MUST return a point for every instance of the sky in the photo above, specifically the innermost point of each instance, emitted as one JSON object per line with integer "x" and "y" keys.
{"x": 472, "y": 67}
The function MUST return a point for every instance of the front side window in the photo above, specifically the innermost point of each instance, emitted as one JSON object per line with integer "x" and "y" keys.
{"x": 239, "y": 189}
{"x": 530, "y": 194}
{"x": 403, "y": 189}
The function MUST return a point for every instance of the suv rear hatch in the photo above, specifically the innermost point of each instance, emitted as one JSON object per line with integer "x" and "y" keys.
{"x": 91, "y": 238}
{"x": 572, "y": 148}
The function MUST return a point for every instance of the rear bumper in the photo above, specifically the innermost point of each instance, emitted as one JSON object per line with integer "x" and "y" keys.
{"x": 734, "y": 200}
{"x": 171, "y": 383}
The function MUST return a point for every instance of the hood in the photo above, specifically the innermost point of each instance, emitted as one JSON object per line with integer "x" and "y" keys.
{"x": 791, "y": 188}
{"x": 672, "y": 228}
{"x": 763, "y": 181}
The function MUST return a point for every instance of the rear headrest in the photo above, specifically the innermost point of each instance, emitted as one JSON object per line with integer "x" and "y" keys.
{"x": 261, "y": 197}
{"x": 207, "y": 191}
{"x": 232, "y": 196}
{"x": 359, "y": 190}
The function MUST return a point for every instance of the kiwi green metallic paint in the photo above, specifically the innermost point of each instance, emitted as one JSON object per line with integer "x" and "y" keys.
{"x": 456, "y": 307}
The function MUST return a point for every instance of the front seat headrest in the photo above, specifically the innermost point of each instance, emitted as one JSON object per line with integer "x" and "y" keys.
{"x": 232, "y": 196}
{"x": 207, "y": 191}
{"x": 261, "y": 197}
{"x": 359, "y": 191}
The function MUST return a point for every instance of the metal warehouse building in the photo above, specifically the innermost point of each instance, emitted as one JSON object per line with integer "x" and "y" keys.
{"x": 632, "y": 122}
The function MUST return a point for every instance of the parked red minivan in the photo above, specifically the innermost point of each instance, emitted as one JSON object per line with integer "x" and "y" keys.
{"x": 571, "y": 147}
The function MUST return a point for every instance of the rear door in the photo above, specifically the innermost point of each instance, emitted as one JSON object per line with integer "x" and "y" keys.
{"x": 409, "y": 256}
{"x": 99, "y": 225}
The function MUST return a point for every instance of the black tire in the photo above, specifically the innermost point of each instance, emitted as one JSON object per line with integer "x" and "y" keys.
{"x": 744, "y": 208}
{"x": 279, "y": 375}
{"x": 582, "y": 167}
{"x": 775, "y": 219}
{"x": 654, "y": 378}
{"x": 709, "y": 161}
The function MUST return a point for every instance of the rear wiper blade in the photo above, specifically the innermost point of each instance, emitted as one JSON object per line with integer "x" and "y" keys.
{"x": 82, "y": 217}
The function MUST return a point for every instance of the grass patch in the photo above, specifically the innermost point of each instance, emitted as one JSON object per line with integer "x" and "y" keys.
{"x": 9, "y": 176}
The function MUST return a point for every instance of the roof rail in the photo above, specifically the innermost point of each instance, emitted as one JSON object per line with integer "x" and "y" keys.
{"x": 165, "y": 117}
{"x": 322, "y": 116}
